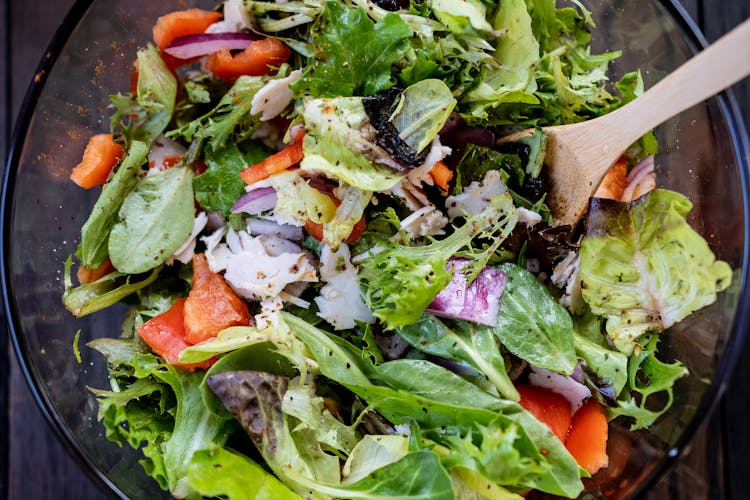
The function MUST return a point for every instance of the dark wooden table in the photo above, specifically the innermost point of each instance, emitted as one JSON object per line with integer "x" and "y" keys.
{"x": 33, "y": 463}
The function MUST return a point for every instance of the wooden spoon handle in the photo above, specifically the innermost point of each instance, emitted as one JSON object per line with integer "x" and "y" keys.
{"x": 714, "y": 69}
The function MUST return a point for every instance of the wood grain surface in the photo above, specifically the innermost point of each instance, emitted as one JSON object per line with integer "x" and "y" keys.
{"x": 34, "y": 464}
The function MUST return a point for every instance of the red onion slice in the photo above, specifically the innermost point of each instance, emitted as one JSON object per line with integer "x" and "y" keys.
{"x": 256, "y": 201}
{"x": 264, "y": 227}
{"x": 190, "y": 46}
{"x": 477, "y": 302}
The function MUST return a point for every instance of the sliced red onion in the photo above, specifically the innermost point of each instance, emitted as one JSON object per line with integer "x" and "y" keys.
{"x": 477, "y": 302}
{"x": 575, "y": 392}
{"x": 256, "y": 201}
{"x": 271, "y": 228}
{"x": 638, "y": 175}
{"x": 277, "y": 246}
{"x": 189, "y": 46}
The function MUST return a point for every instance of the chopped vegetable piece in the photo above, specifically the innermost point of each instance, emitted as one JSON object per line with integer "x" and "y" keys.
{"x": 99, "y": 158}
{"x": 614, "y": 181}
{"x": 587, "y": 439}
{"x": 181, "y": 23}
{"x": 165, "y": 334}
{"x": 259, "y": 58}
{"x": 287, "y": 157}
{"x": 211, "y": 306}
{"x": 548, "y": 407}
{"x": 442, "y": 175}
{"x": 191, "y": 46}
{"x": 89, "y": 275}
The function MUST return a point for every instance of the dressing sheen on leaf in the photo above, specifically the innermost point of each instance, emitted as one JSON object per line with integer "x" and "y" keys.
{"x": 644, "y": 268}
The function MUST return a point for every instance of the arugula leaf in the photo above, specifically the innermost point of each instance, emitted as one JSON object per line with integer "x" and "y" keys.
{"x": 95, "y": 231}
{"x": 647, "y": 377}
{"x": 532, "y": 325}
{"x": 232, "y": 113}
{"x": 462, "y": 341}
{"x": 220, "y": 185}
{"x": 644, "y": 268}
{"x": 353, "y": 54}
{"x": 154, "y": 220}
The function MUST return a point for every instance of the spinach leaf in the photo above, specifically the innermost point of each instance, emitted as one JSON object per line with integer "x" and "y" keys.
{"x": 358, "y": 53}
{"x": 532, "y": 325}
{"x": 220, "y": 185}
{"x": 154, "y": 220}
{"x": 96, "y": 230}
{"x": 467, "y": 342}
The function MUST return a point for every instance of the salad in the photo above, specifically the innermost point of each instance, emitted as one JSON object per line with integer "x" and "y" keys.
{"x": 341, "y": 277}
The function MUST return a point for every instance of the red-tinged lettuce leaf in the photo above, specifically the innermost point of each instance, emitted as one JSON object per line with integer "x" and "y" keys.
{"x": 644, "y": 268}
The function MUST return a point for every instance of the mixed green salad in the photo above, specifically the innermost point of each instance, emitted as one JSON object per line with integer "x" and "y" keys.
{"x": 344, "y": 283}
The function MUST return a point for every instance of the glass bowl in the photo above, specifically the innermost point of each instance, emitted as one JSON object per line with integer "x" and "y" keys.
{"x": 703, "y": 153}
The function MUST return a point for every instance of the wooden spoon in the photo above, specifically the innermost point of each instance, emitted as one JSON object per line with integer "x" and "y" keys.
{"x": 578, "y": 155}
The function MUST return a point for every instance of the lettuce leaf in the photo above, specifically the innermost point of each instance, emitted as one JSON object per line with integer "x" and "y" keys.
{"x": 93, "y": 249}
{"x": 145, "y": 115}
{"x": 155, "y": 219}
{"x": 159, "y": 408}
{"x": 533, "y": 325}
{"x": 220, "y": 185}
{"x": 340, "y": 142}
{"x": 644, "y": 268}
{"x": 220, "y": 473}
{"x": 358, "y": 55}
{"x": 422, "y": 111}
{"x": 399, "y": 281}
{"x": 230, "y": 116}
{"x": 648, "y": 378}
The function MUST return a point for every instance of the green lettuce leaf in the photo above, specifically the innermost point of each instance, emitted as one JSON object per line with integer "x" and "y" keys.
{"x": 144, "y": 116}
{"x": 230, "y": 115}
{"x": 93, "y": 249}
{"x": 158, "y": 408}
{"x": 421, "y": 112}
{"x": 610, "y": 367}
{"x": 353, "y": 203}
{"x": 648, "y": 378}
{"x": 220, "y": 185}
{"x": 462, "y": 341}
{"x": 102, "y": 293}
{"x": 340, "y": 142}
{"x": 398, "y": 282}
{"x": 300, "y": 201}
{"x": 644, "y": 268}
{"x": 155, "y": 219}
{"x": 462, "y": 16}
{"x": 358, "y": 56}
{"x": 220, "y": 473}
{"x": 533, "y": 325}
